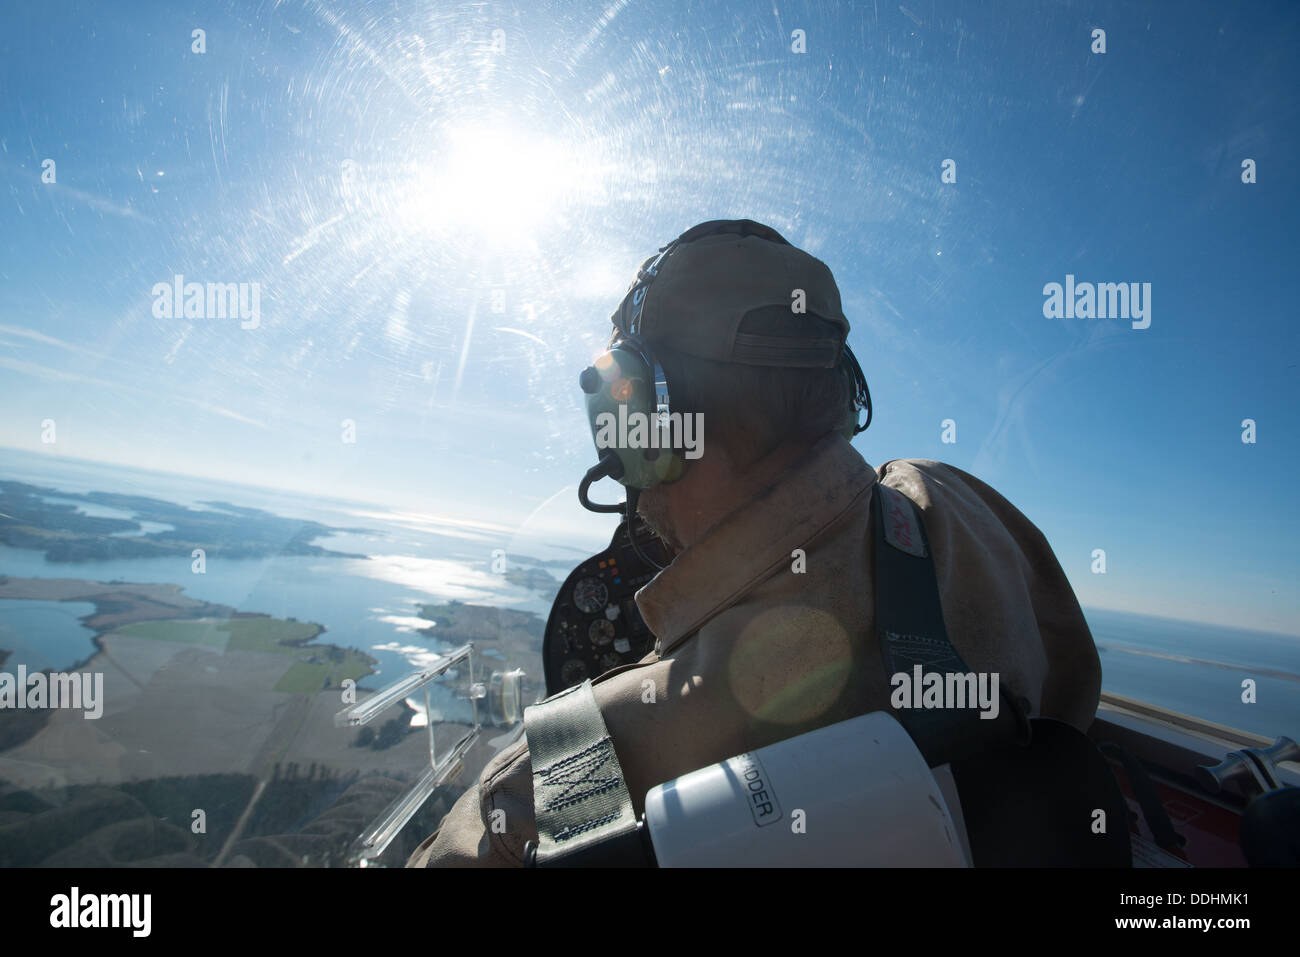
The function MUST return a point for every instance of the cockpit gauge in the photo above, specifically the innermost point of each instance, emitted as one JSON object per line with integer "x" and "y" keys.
{"x": 573, "y": 672}
{"x": 590, "y": 595}
{"x": 601, "y": 632}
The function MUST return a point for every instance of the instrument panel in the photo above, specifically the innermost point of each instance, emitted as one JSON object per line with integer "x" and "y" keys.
{"x": 594, "y": 624}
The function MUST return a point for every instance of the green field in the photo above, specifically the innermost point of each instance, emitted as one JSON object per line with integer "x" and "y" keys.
{"x": 226, "y": 634}
{"x": 316, "y": 667}
{"x": 308, "y": 677}
{"x": 442, "y": 615}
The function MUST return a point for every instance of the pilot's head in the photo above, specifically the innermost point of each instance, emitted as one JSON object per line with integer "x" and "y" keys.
{"x": 745, "y": 335}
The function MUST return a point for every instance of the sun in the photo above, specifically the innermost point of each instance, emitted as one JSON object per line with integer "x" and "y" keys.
{"x": 493, "y": 183}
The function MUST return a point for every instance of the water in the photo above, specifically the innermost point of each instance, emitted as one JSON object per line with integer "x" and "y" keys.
{"x": 44, "y": 634}
{"x": 95, "y": 510}
{"x": 1199, "y": 669}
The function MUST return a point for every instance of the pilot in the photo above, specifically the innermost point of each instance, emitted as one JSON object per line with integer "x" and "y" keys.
{"x": 764, "y": 620}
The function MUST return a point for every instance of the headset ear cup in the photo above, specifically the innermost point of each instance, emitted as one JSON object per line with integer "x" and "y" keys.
{"x": 621, "y": 413}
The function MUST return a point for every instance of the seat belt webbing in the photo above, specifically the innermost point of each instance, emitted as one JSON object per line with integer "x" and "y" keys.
{"x": 579, "y": 794}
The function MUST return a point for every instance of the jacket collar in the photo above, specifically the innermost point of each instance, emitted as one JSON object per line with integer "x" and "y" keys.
{"x": 753, "y": 541}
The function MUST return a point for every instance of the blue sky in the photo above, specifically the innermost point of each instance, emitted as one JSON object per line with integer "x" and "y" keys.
{"x": 440, "y": 223}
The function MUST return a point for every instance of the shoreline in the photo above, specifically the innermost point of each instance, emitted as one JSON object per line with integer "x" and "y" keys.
{"x": 105, "y": 619}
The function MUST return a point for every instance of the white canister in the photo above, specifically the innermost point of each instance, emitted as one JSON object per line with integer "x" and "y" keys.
{"x": 853, "y": 794}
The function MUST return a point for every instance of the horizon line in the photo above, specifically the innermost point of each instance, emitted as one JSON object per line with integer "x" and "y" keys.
{"x": 209, "y": 478}
{"x": 389, "y": 506}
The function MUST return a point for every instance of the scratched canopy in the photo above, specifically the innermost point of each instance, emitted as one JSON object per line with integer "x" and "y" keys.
{"x": 363, "y": 249}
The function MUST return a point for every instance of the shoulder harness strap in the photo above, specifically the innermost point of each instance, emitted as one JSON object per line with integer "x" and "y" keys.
{"x": 912, "y": 636}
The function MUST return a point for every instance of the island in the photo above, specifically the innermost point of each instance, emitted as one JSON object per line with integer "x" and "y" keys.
{"x": 66, "y": 534}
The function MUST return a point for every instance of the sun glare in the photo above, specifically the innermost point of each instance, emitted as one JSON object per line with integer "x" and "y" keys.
{"x": 496, "y": 183}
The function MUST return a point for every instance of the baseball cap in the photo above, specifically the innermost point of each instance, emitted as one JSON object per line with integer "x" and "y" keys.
{"x": 694, "y": 295}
